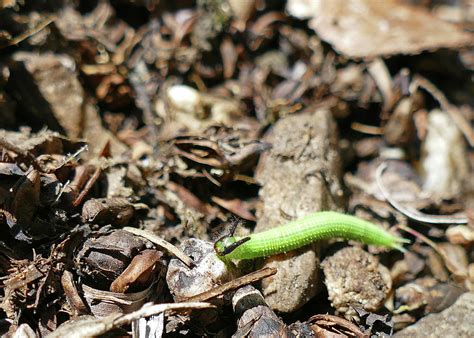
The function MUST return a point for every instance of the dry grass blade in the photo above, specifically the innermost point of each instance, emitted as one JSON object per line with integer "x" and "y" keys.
{"x": 162, "y": 243}
{"x": 452, "y": 110}
{"x": 235, "y": 284}
{"x": 413, "y": 214}
{"x": 30, "y": 32}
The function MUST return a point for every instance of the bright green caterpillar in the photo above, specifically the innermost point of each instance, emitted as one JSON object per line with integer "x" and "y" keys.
{"x": 298, "y": 233}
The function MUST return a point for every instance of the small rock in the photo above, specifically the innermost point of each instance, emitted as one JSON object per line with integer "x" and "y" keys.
{"x": 208, "y": 273}
{"x": 355, "y": 278}
{"x": 184, "y": 98}
{"x": 302, "y": 9}
{"x": 456, "y": 321}
{"x": 24, "y": 331}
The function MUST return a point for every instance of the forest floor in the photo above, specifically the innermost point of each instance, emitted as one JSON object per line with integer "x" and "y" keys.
{"x": 134, "y": 135}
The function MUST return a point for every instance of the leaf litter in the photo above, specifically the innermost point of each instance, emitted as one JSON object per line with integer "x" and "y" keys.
{"x": 131, "y": 132}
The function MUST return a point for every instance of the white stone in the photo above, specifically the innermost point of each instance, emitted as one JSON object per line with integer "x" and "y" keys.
{"x": 184, "y": 98}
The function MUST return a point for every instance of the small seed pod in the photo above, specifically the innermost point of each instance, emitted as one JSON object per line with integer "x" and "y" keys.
{"x": 117, "y": 273}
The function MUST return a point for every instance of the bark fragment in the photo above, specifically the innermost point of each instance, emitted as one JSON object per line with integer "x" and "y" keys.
{"x": 299, "y": 175}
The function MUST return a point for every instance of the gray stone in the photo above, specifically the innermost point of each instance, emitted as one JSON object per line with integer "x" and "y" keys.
{"x": 456, "y": 322}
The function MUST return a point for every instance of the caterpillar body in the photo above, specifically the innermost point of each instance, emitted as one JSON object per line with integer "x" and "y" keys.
{"x": 300, "y": 232}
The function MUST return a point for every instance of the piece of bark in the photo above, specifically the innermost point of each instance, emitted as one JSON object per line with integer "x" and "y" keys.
{"x": 255, "y": 318}
{"x": 49, "y": 91}
{"x": 455, "y": 321}
{"x": 260, "y": 321}
{"x": 32, "y": 145}
{"x": 325, "y": 325}
{"x": 246, "y": 298}
{"x": 25, "y": 202}
{"x": 74, "y": 299}
{"x": 98, "y": 136}
{"x": 117, "y": 211}
{"x": 400, "y": 128}
{"x": 104, "y": 303}
{"x": 427, "y": 295}
{"x": 299, "y": 175}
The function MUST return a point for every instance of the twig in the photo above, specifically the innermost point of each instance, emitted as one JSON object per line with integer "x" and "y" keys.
{"x": 452, "y": 110}
{"x": 72, "y": 156}
{"x": 148, "y": 310}
{"x": 162, "y": 243}
{"x": 29, "y": 32}
{"x": 232, "y": 285}
{"x": 447, "y": 262}
{"x": 366, "y": 129}
{"x": 412, "y": 213}
{"x": 87, "y": 187}
{"x": 379, "y": 72}
{"x": 92, "y": 327}
{"x": 210, "y": 178}
{"x": 61, "y": 191}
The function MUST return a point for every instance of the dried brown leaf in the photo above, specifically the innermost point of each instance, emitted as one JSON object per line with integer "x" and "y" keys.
{"x": 329, "y": 326}
{"x": 139, "y": 272}
{"x": 370, "y": 28}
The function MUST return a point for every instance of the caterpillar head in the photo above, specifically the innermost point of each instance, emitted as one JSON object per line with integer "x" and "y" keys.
{"x": 226, "y": 245}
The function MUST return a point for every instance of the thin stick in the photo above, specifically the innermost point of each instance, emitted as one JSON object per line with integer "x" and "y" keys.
{"x": 232, "y": 285}
{"x": 447, "y": 262}
{"x": 70, "y": 157}
{"x": 162, "y": 243}
{"x": 452, "y": 110}
{"x": 29, "y": 32}
{"x": 152, "y": 309}
{"x": 87, "y": 187}
{"x": 92, "y": 327}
